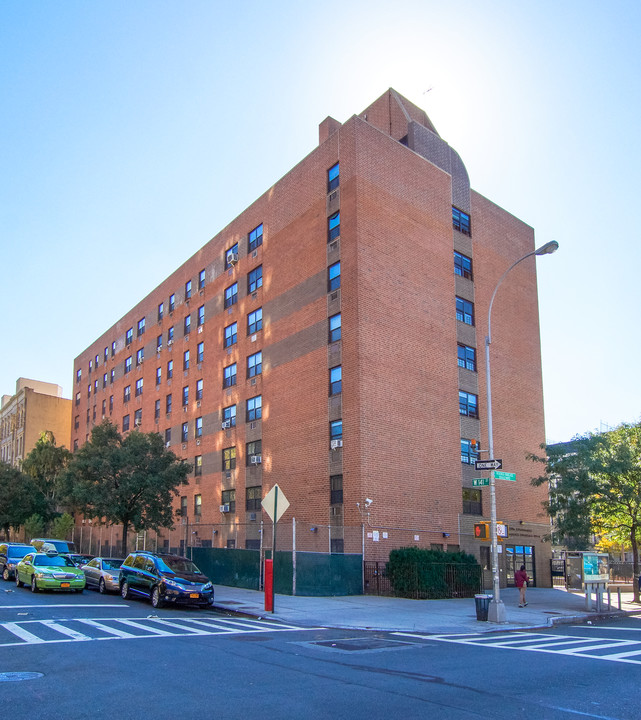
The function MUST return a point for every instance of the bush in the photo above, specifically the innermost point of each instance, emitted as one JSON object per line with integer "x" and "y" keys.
{"x": 417, "y": 572}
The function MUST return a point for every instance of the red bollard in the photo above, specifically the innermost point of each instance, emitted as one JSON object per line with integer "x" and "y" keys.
{"x": 269, "y": 584}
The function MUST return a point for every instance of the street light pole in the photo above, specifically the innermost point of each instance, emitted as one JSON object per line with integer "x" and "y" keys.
{"x": 496, "y": 611}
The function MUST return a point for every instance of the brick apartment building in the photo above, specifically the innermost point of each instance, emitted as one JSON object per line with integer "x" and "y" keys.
{"x": 330, "y": 339}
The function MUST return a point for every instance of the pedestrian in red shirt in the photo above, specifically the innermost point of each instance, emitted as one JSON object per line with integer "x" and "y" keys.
{"x": 521, "y": 579}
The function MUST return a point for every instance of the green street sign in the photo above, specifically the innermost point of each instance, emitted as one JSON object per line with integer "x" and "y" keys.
{"x": 500, "y": 475}
{"x": 478, "y": 482}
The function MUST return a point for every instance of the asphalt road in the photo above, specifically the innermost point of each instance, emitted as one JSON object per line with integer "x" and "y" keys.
{"x": 97, "y": 656}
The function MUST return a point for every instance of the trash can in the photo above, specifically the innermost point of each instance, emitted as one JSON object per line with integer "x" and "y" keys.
{"x": 482, "y": 606}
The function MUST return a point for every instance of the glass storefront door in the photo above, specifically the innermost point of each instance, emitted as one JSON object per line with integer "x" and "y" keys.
{"x": 515, "y": 556}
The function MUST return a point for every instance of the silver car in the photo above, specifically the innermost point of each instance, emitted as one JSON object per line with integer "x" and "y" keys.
{"x": 102, "y": 573}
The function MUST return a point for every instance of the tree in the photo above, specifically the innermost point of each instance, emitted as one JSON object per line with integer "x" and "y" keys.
{"x": 20, "y": 498}
{"x": 595, "y": 488}
{"x": 128, "y": 480}
{"x": 62, "y": 526}
{"x": 34, "y": 526}
{"x": 45, "y": 464}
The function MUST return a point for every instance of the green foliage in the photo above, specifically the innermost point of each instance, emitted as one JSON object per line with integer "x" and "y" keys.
{"x": 128, "y": 480}
{"x": 45, "y": 465}
{"x": 417, "y": 572}
{"x": 61, "y": 526}
{"x": 20, "y": 498}
{"x": 34, "y": 526}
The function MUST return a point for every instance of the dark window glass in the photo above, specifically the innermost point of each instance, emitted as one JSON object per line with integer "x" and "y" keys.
{"x": 333, "y": 277}
{"x": 464, "y": 311}
{"x": 231, "y": 334}
{"x": 335, "y": 380}
{"x": 201, "y": 279}
{"x": 229, "y": 458}
{"x": 333, "y": 178}
{"x": 468, "y": 404}
{"x": 333, "y": 226}
{"x": 462, "y": 265}
{"x": 336, "y": 490}
{"x": 472, "y": 501}
{"x": 253, "y": 499}
{"x": 231, "y": 295}
{"x": 255, "y": 364}
{"x": 255, "y": 279}
{"x": 255, "y": 321}
{"x": 255, "y": 238}
{"x": 188, "y": 290}
{"x": 229, "y": 375}
{"x": 335, "y": 328}
{"x": 461, "y": 221}
{"x": 254, "y": 408}
{"x": 469, "y": 451}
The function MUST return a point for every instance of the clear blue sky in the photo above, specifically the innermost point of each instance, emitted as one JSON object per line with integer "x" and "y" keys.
{"x": 132, "y": 132}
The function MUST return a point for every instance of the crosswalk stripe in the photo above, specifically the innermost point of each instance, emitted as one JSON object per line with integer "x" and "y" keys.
{"x": 146, "y": 628}
{"x": 23, "y": 634}
{"x": 107, "y": 629}
{"x": 74, "y": 634}
{"x": 180, "y": 626}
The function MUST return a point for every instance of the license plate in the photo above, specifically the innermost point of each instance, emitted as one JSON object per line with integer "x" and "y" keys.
{"x": 65, "y": 585}
{"x": 194, "y": 595}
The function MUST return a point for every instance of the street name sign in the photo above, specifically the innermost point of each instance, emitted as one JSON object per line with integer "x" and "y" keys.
{"x": 500, "y": 475}
{"x": 478, "y": 482}
{"x": 488, "y": 464}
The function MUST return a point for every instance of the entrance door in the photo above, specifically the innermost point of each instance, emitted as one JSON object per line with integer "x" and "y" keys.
{"x": 517, "y": 555}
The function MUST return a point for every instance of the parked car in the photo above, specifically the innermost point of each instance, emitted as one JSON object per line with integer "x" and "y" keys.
{"x": 103, "y": 573}
{"x": 49, "y": 571}
{"x": 10, "y": 556}
{"x": 61, "y": 546}
{"x": 78, "y": 559}
{"x": 165, "y": 579}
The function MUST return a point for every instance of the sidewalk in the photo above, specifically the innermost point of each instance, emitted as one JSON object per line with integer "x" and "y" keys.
{"x": 546, "y": 607}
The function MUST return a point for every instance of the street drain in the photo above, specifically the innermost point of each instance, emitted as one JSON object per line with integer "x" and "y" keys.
{"x": 360, "y": 644}
{"x": 17, "y": 676}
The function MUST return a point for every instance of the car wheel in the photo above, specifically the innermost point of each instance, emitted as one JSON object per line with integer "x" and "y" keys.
{"x": 156, "y": 598}
{"x": 19, "y": 583}
{"x": 34, "y": 586}
{"x": 5, "y": 573}
{"x": 102, "y": 588}
{"x": 124, "y": 590}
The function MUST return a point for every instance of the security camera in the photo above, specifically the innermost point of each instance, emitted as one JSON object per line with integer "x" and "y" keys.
{"x": 368, "y": 502}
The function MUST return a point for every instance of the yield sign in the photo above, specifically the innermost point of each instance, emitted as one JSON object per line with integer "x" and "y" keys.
{"x": 280, "y": 502}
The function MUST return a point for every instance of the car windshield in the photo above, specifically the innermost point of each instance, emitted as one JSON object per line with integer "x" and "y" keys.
{"x": 18, "y": 552}
{"x": 53, "y": 561}
{"x": 111, "y": 564}
{"x": 177, "y": 565}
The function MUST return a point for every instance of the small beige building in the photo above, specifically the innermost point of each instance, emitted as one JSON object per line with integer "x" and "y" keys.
{"x": 36, "y": 407}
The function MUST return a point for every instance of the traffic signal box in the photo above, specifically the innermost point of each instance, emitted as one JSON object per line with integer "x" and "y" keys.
{"x": 482, "y": 531}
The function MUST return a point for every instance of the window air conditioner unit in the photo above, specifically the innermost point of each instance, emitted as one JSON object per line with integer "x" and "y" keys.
{"x": 335, "y": 444}
{"x": 200, "y": 329}
{"x": 224, "y": 508}
{"x": 167, "y": 444}
{"x": 170, "y": 342}
{"x": 252, "y": 516}
{"x": 256, "y": 459}
{"x": 232, "y": 258}
{"x": 226, "y": 424}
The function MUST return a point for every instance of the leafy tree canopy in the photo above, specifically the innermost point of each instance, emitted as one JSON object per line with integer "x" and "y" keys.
{"x": 20, "y": 498}
{"x": 45, "y": 464}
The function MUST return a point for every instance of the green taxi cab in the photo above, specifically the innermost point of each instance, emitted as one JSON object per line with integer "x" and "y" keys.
{"x": 49, "y": 571}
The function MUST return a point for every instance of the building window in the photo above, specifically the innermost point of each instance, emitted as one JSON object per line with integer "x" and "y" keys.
{"x": 255, "y": 238}
{"x": 255, "y": 279}
{"x": 129, "y": 337}
{"x": 333, "y": 277}
{"x": 186, "y": 360}
{"x": 126, "y": 395}
{"x": 472, "y": 504}
{"x": 231, "y": 334}
{"x": 231, "y": 256}
{"x": 183, "y": 506}
{"x": 187, "y": 325}
{"x": 462, "y": 265}
{"x": 333, "y": 226}
{"x": 112, "y": 377}
{"x": 138, "y": 418}
{"x": 125, "y": 423}
{"x": 186, "y": 396}
{"x": 201, "y": 279}
{"x": 76, "y": 422}
{"x": 333, "y": 178}
{"x": 468, "y": 404}
{"x": 128, "y": 365}
{"x": 161, "y": 311}
{"x": 200, "y": 352}
{"x": 139, "y": 387}
{"x": 229, "y": 375}
{"x": 168, "y": 404}
{"x": 337, "y": 545}
{"x": 229, "y": 416}
{"x": 253, "y": 498}
{"x": 255, "y": 321}
{"x": 167, "y": 436}
{"x": 170, "y": 335}
{"x": 336, "y": 430}
{"x": 467, "y": 357}
{"x": 199, "y": 427}
{"x": 464, "y": 311}
{"x": 199, "y": 390}
{"x": 158, "y": 376}
{"x": 255, "y": 408}
{"x": 198, "y": 505}
{"x": 188, "y": 290}
{"x": 78, "y": 375}
{"x": 140, "y": 356}
{"x": 159, "y": 343}
{"x": 104, "y": 408}
{"x": 141, "y": 327}
{"x": 229, "y": 458}
{"x": 106, "y": 355}
{"x": 335, "y": 380}
{"x": 198, "y": 465}
{"x": 253, "y": 451}
{"x": 461, "y": 221}
{"x": 184, "y": 434}
{"x": 172, "y": 302}
{"x": 90, "y": 366}
{"x": 111, "y": 404}
{"x": 201, "y": 315}
{"x": 77, "y": 398}
{"x": 113, "y": 349}
{"x": 228, "y": 497}
{"x": 231, "y": 295}
{"x": 255, "y": 364}
{"x": 157, "y": 410}
{"x": 336, "y": 490}
{"x": 104, "y": 380}
{"x": 469, "y": 451}
{"x": 335, "y": 328}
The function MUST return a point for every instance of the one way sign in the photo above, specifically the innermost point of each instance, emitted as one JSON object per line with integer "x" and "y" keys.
{"x": 488, "y": 464}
